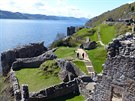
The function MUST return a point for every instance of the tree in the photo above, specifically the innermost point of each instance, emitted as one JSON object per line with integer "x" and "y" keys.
{"x": 60, "y": 36}
{"x": 132, "y": 8}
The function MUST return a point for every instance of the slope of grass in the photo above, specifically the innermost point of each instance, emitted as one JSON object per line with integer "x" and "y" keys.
{"x": 81, "y": 66}
{"x": 50, "y": 67}
{"x": 1, "y": 83}
{"x": 39, "y": 78}
{"x": 98, "y": 57}
{"x": 107, "y": 33}
{"x": 115, "y": 14}
{"x": 70, "y": 97}
{"x": 65, "y": 52}
{"x": 87, "y": 32}
{"x": 77, "y": 98}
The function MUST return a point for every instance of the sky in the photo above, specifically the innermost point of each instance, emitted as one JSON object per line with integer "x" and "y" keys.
{"x": 72, "y": 8}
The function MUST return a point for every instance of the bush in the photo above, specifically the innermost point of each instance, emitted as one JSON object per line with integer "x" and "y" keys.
{"x": 69, "y": 42}
{"x": 50, "y": 67}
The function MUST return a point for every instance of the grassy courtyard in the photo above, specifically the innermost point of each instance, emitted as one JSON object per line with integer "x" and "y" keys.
{"x": 39, "y": 78}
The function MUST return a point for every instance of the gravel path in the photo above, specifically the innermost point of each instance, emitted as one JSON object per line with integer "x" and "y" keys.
{"x": 86, "y": 60}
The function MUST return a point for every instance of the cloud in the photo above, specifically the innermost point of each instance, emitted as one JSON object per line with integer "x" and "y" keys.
{"x": 38, "y": 4}
{"x": 48, "y": 7}
{"x": 130, "y": 2}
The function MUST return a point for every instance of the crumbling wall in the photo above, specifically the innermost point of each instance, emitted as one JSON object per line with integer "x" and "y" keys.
{"x": 33, "y": 62}
{"x": 118, "y": 79}
{"x": 27, "y": 51}
{"x": 56, "y": 91}
{"x": 68, "y": 70}
{"x": 15, "y": 85}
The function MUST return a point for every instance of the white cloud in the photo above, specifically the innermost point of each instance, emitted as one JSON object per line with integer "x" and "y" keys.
{"x": 131, "y": 2}
{"x": 48, "y": 7}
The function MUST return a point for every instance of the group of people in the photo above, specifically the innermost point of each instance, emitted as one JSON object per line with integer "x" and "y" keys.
{"x": 78, "y": 55}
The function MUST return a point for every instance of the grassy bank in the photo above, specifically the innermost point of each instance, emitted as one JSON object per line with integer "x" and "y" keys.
{"x": 98, "y": 57}
{"x": 107, "y": 33}
{"x": 70, "y": 97}
{"x": 81, "y": 66}
{"x": 77, "y": 98}
{"x": 65, "y": 52}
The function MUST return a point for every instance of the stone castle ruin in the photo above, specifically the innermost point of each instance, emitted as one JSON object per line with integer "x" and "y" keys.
{"x": 27, "y": 51}
{"x": 116, "y": 83}
{"x": 118, "y": 77}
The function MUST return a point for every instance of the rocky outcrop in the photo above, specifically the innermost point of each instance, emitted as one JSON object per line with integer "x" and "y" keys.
{"x": 33, "y": 62}
{"x": 56, "y": 91}
{"x": 89, "y": 45}
{"x": 68, "y": 70}
{"x": 118, "y": 79}
{"x": 27, "y": 51}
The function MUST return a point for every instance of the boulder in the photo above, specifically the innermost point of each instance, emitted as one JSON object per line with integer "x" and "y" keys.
{"x": 89, "y": 45}
{"x": 34, "y": 61}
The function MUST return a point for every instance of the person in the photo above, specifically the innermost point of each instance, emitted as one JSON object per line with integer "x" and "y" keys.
{"x": 77, "y": 55}
{"x": 83, "y": 55}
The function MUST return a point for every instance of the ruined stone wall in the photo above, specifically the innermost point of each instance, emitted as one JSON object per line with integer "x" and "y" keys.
{"x": 15, "y": 85}
{"x": 27, "y": 51}
{"x": 118, "y": 79}
{"x": 56, "y": 91}
{"x": 33, "y": 62}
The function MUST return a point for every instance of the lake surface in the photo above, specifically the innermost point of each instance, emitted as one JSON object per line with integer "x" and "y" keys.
{"x": 19, "y": 32}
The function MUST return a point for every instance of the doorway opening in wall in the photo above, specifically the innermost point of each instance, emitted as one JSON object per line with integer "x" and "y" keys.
{"x": 116, "y": 94}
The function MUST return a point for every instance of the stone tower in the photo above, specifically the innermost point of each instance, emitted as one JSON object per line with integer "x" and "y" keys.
{"x": 70, "y": 30}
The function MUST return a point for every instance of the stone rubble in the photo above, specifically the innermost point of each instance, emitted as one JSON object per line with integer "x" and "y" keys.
{"x": 118, "y": 78}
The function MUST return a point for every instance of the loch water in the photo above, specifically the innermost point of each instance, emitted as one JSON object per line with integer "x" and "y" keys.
{"x": 14, "y": 33}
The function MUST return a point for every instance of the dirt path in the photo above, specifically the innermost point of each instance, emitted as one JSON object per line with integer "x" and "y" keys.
{"x": 99, "y": 38}
{"x": 86, "y": 60}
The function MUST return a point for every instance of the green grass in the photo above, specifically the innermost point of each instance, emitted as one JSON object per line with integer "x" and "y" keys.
{"x": 1, "y": 83}
{"x": 87, "y": 32}
{"x": 83, "y": 32}
{"x": 70, "y": 97}
{"x": 65, "y": 52}
{"x": 81, "y": 66}
{"x": 98, "y": 57}
{"x": 77, "y": 98}
{"x": 49, "y": 68}
{"x": 107, "y": 33}
{"x": 35, "y": 79}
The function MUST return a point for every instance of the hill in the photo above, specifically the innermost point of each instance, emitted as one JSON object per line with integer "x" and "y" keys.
{"x": 124, "y": 11}
{"x": 18, "y": 15}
